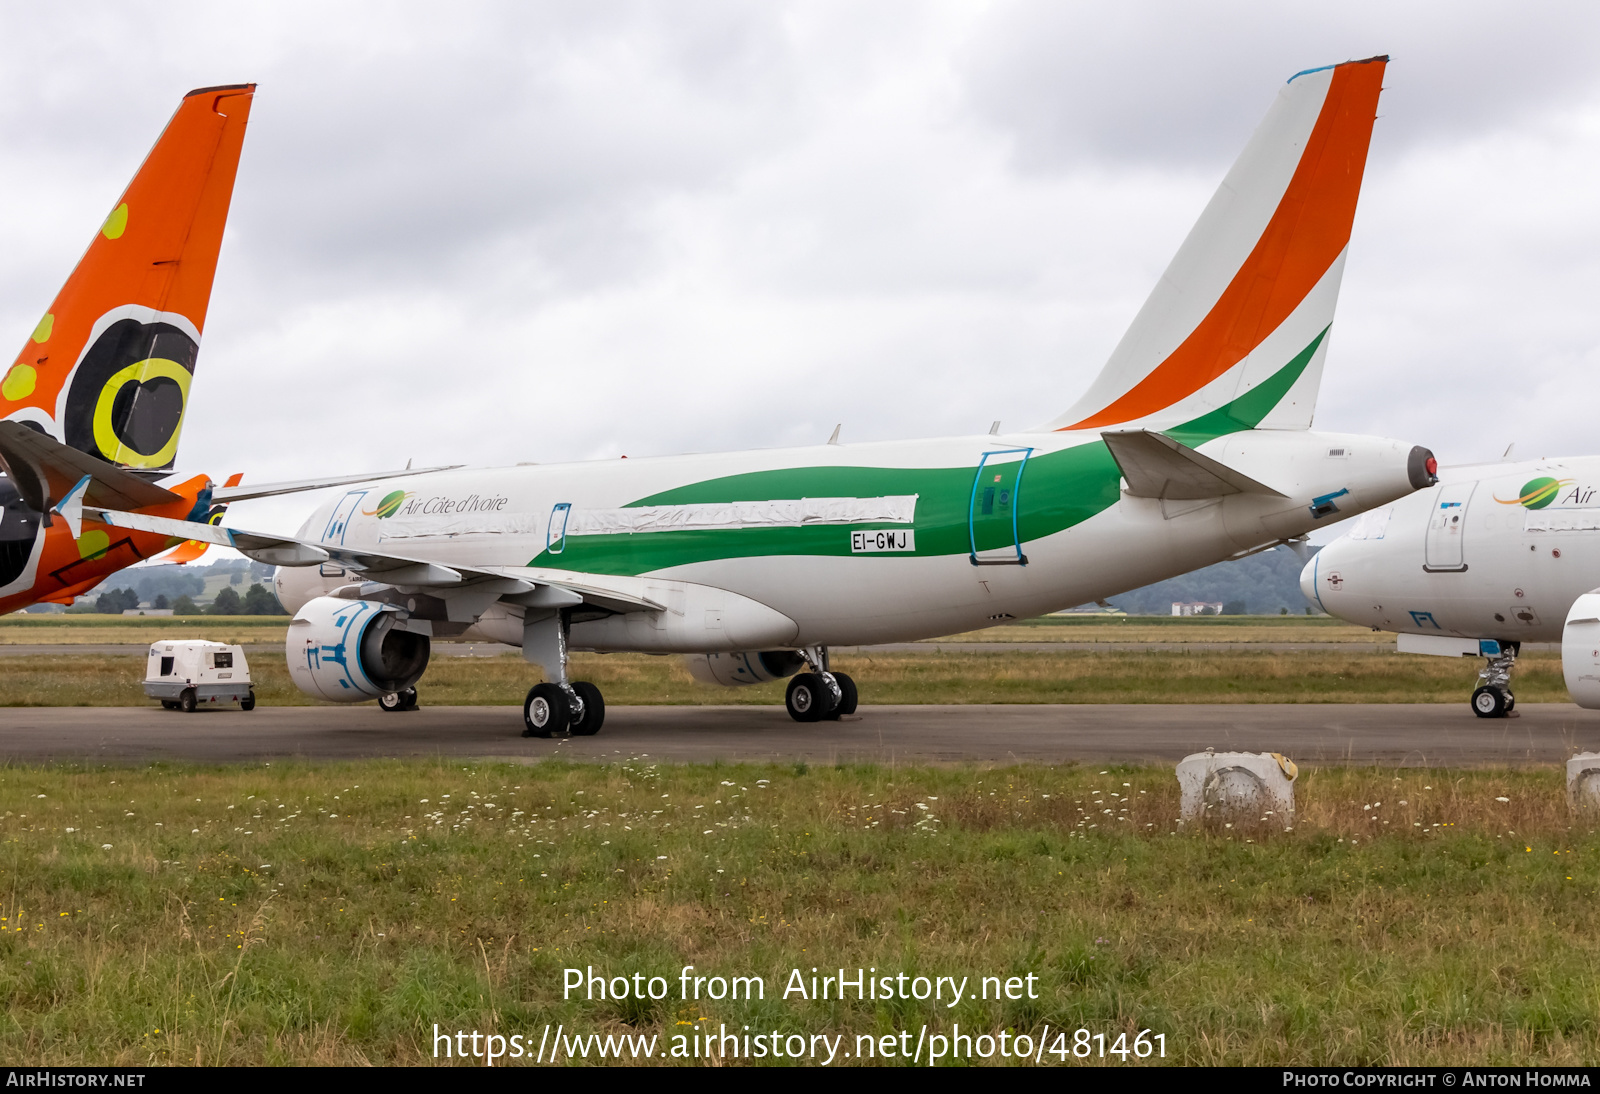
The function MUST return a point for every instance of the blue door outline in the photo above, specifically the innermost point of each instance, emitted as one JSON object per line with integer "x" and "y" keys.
{"x": 1016, "y": 505}
{"x": 340, "y": 520}
{"x": 555, "y": 536}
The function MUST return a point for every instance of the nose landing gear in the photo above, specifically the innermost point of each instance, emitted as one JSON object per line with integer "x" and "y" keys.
{"x": 1493, "y": 698}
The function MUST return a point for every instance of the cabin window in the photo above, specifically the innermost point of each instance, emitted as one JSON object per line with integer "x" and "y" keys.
{"x": 222, "y": 660}
{"x": 166, "y": 666}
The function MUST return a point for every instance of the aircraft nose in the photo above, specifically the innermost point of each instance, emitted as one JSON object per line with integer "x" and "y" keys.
{"x": 1308, "y": 580}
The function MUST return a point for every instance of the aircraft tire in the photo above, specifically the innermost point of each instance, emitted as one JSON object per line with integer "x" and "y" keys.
{"x": 594, "y": 710}
{"x": 1489, "y": 702}
{"x": 546, "y": 712}
{"x": 408, "y": 698}
{"x": 808, "y": 698}
{"x": 847, "y": 697}
{"x": 186, "y": 701}
{"x": 392, "y": 701}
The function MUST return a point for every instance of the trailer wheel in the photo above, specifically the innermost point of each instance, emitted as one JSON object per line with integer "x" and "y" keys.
{"x": 186, "y": 701}
{"x": 248, "y": 702}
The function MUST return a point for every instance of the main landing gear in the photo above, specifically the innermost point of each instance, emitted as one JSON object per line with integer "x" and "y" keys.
{"x": 554, "y": 710}
{"x": 819, "y": 695}
{"x": 558, "y": 707}
{"x": 404, "y": 699}
{"x": 1493, "y": 698}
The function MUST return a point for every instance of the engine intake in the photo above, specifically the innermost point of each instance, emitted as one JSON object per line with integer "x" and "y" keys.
{"x": 349, "y": 651}
{"x": 732, "y": 670}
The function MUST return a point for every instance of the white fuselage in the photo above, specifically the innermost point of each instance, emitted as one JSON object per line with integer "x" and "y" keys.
{"x": 833, "y": 593}
{"x": 1495, "y": 551}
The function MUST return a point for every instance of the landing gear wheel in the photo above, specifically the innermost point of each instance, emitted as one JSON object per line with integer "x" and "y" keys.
{"x": 546, "y": 712}
{"x": 248, "y": 702}
{"x": 408, "y": 698}
{"x": 394, "y": 700}
{"x": 847, "y": 697}
{"x": 1490, "y": 703}
{"x": 594, "y": 710}
{"x": 186, "y": 701}
{"x": 809, "y": 698}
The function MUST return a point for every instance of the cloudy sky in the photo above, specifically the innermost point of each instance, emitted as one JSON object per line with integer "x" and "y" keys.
{"x": 485, "y": 233}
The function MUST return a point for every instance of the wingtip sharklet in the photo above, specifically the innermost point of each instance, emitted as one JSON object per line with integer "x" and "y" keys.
{"x": 1381, "y": 58}
{"x": 219, "y": 87}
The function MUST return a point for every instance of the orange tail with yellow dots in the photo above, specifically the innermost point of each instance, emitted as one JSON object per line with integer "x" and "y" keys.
{"x": 99, "y": 389}
{"x": 107, "y": 370}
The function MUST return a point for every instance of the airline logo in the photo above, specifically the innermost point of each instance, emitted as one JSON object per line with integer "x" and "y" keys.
{"x": 403, "y": 503}
{"x": 388, "y": 505}
{"x": 1544, "y": 491}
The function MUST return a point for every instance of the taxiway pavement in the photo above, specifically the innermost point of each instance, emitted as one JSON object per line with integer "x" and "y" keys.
{"x": 1390, "y": 734}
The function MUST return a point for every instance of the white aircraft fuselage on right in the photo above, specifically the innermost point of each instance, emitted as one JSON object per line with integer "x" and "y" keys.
{"x": 1192, "y": 446}
{"x": 1493, "y": 556}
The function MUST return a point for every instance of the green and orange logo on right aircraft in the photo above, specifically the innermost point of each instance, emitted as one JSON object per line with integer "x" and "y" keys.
{"x": 1538, "y": 493}
{"x": 388, "y": 505}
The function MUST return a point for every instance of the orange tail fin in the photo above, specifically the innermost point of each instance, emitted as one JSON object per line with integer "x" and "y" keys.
{"x": 107, "y": 370}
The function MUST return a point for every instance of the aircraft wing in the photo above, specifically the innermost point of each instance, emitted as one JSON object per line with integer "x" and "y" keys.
{"x": 519, "y": 584}
{"x": 224, "y": 495}
{"x": 43, "y": 469}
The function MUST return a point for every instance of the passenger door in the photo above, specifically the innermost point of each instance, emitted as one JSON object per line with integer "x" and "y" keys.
{"x": 342, "y": 513}
{"x": 992, "y": 510}
{"x": 1443, "y": 552}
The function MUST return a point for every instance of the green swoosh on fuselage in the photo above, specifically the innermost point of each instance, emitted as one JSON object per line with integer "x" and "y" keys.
{"x": 1062, "y": 489}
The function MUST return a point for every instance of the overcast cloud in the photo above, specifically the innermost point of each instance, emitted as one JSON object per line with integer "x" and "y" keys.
{"x": 485, "y": 233}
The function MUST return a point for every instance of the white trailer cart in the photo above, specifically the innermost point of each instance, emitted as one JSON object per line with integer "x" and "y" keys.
{"x": 190, "y": 673}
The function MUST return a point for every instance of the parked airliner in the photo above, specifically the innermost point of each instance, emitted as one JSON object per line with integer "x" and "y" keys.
{"x": 1192, "y": 446}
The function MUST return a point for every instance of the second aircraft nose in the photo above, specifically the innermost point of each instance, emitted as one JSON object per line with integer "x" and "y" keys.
{"x": 1308, "y": 581}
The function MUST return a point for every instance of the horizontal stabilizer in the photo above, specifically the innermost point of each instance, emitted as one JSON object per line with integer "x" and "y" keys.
{"x": 226, "y": 495}
{"x": 1156, "y": 466}
{"x": 43, "y": 469}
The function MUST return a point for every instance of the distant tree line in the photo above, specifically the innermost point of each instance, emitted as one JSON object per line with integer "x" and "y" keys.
{"x": 183, "y": 588}
{"x": 1263, "y": 584}
{"x": 257, "y": 600}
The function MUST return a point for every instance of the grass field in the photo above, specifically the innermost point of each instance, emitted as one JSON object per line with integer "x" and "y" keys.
{"x": 333, "y": 914}
{"x": 931, "y": 676}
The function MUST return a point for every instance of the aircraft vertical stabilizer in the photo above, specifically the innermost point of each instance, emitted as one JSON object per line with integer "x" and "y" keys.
{"x": 1236, "y": 330}
{"x": 107, "y": 369}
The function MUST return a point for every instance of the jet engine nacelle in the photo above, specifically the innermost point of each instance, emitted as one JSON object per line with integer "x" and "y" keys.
{"x": 349, "y": 651}
{"x": 733, "y": 670}
{"x": 1580, "y": 650}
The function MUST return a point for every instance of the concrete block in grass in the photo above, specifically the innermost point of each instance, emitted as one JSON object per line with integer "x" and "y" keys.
{"x": 1583, "y": 782}
{"x": 1236, "y": 787}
